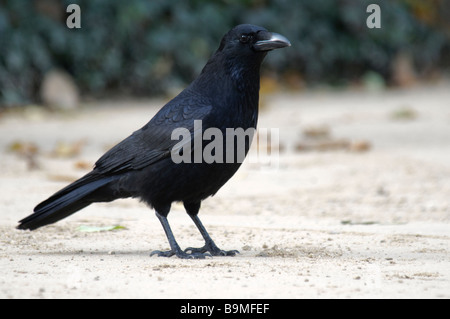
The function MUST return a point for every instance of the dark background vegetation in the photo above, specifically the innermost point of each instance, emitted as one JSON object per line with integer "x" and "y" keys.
{"x": 147, "y": 47}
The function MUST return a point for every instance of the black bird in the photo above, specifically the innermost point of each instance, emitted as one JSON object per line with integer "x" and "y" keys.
{"x": 224, "y": 95}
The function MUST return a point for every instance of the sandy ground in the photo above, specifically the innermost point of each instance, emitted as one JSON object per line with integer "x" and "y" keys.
{"x": 330, "y": 223}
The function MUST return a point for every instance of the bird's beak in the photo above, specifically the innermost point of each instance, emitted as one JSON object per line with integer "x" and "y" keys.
{"x": 271, "y": 41}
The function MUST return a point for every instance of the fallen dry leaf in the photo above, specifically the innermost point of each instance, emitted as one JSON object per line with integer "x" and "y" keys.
{"x": 68, "y": 149}
{"x": 27, "y": 151}
{"x": 83, "y": 165}
{"x": 360, "y": 146}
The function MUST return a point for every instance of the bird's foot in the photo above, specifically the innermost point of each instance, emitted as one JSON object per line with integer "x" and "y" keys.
{"x": 212, "y": 249}
{"x": 181, "y": 254}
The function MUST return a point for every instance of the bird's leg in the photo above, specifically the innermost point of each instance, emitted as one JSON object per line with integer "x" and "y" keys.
{"x": 210, "y": 246}
{"x": 174, "y": 247}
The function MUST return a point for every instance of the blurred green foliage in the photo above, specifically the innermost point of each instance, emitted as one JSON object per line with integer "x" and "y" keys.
{"x": 145, "y": 47}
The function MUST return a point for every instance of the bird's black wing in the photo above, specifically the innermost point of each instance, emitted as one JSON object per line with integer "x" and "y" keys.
{"x": 153, "y": 142}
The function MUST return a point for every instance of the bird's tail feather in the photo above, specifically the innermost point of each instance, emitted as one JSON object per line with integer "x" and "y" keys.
{"x": 67, "y": 201}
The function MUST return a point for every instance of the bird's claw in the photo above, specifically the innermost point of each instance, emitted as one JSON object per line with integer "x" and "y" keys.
{"x": 180, "y": 254}
{"x": 213, "y": 251}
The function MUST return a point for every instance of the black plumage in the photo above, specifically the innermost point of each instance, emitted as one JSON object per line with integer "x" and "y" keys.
{"x": 224, "y": 95}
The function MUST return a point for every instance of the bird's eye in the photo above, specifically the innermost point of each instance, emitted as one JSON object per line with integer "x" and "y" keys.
{"x": 245, "y": 38}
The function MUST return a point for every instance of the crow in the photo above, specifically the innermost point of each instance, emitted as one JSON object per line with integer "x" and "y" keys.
{"x": 224, "y": 95}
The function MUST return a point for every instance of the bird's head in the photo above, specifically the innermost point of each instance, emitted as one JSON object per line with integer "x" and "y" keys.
{"x": 240, "y": 55}
{"x": 247, "y": 39}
